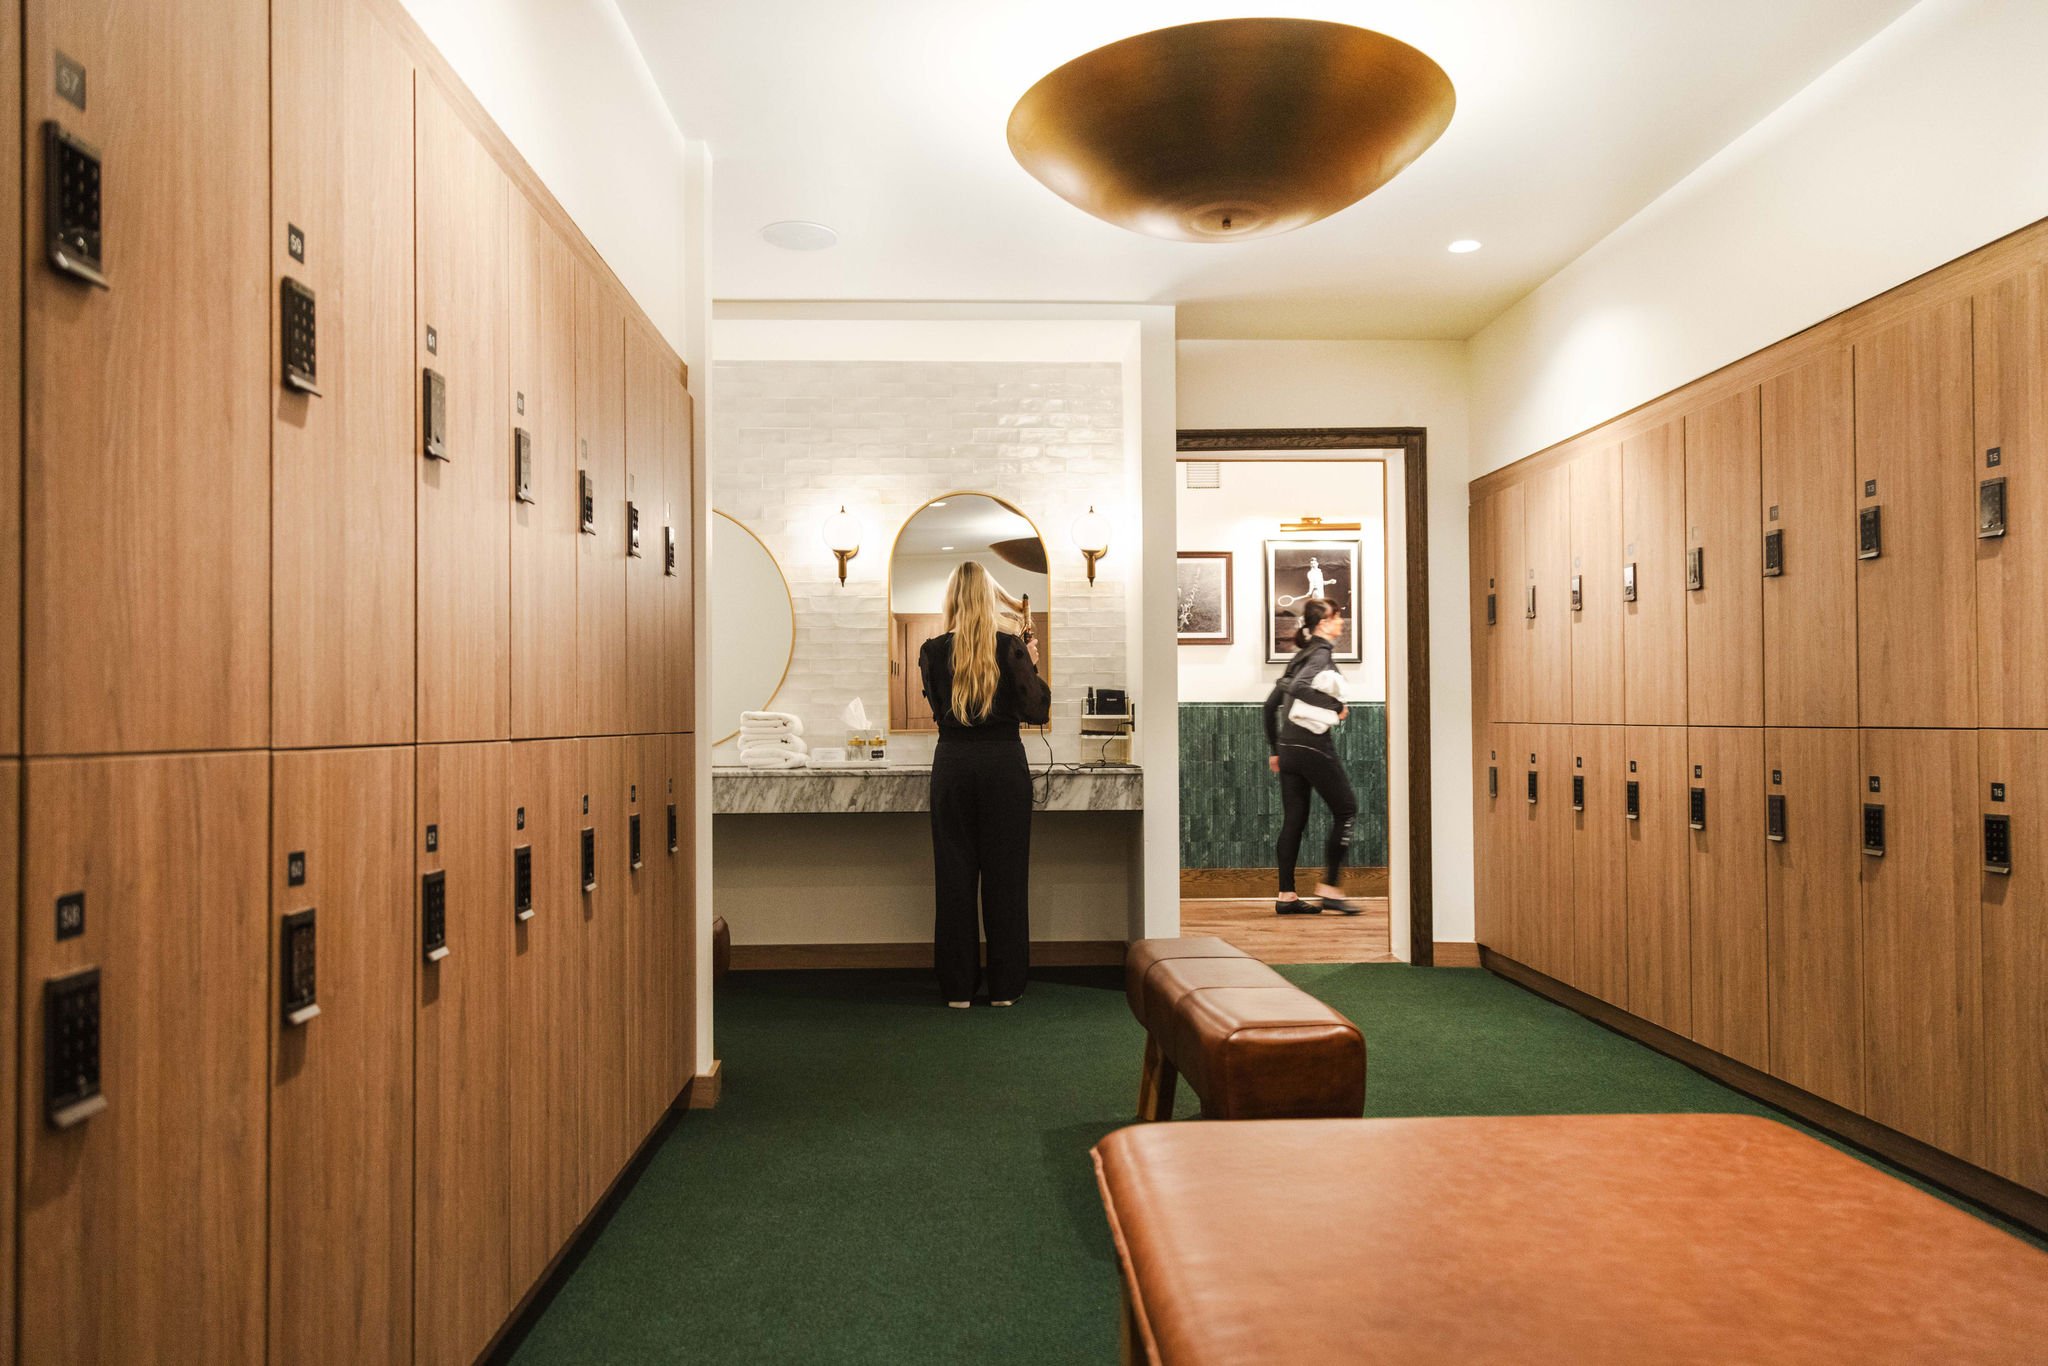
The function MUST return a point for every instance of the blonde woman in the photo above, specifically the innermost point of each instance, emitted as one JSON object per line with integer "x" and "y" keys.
{"x": 982, "y": 682}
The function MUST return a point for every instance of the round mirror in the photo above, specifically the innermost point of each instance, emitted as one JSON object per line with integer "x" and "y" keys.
{"x": 932, "y": 544}
{"x": 753, "y": 625}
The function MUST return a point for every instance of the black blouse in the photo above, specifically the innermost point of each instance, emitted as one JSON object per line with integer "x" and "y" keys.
{"x": 1022, "y": 697}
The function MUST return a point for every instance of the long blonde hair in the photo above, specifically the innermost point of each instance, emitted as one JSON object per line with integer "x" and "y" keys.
{"x": 971, "y": 617}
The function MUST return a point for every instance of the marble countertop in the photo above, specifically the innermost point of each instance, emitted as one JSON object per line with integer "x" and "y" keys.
{"x": 737, "y": 791}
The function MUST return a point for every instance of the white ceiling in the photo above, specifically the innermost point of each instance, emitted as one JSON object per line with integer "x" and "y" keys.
{"x": 885, "y": 119}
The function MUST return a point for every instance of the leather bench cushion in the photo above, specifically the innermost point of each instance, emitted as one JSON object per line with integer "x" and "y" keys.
{"x": 1257, "y": 1053}
{"x": 1174, "y": 978}
{"x": 1143, "y": 954}
{"x": 1549, "y": 1239}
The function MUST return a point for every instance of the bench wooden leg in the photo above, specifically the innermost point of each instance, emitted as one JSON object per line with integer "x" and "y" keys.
{"x": 1156, "y": 1083}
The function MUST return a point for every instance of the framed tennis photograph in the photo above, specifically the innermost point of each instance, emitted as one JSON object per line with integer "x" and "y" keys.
{"x": 1202, "y": 597}
{"x": 1299, "y": 570}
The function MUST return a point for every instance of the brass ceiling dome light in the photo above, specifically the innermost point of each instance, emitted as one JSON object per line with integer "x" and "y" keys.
{"x": 1230, "y": 129}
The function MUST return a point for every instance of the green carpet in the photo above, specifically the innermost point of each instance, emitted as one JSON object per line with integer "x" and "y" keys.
{"x": 886, "y": 1180}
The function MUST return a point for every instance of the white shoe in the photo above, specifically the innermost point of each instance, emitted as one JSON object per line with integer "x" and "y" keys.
{"x": 1002, "y": 1003}
{"x": 958, "y": 1005}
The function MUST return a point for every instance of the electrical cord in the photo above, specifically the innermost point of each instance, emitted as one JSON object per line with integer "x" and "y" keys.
{"x": 1041, "y": 779}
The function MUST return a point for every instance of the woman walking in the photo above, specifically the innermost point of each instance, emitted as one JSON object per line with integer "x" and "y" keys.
{"x": 982, "y": 683}
{"x": 1303, "y": 708}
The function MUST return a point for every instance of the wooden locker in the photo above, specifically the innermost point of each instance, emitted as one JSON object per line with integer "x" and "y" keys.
{"x": 462, "y": 1288}
{"x": 1815, "y": 916}
{"x": 601, "y": 550}
{"x": 1809, "y": 500}
{"x": 2011, "y": 379}
{"x": 644, "y": 869}
{"x": 648, "y": 377}
{"x": 1658, "y": 877}
{"x": 1916, "y": 629}
{"x": 1724, "y": 637}
{"x": 1653, "y": 558}
{"x": 463, "y": 518}
{"x": 10, "y": 450}
{"x": 1493, "y": 789}
{"x": 1599, "y": 956}
{"x": 142, "y": 1226}
{"x": 10, "y": 1053}
{"x": 1594, "y": 589}
{"x": 1511, "y": 634}
{"x": 2012, "y": 784}
{"x": 146, "y": 545}
{"x": 544, "y": 507}
{"x": 341, "y": 1116}
{"x": 1730, "y": 972}
{"x": 608, "y": 1095}
{"x": 1922, "y": 979}
{"x": 683, "y": 891}
{"x": 1485, "y": 617}
{"x": 546, "y": 1023}
{"x": 679, "y": 585}
{"x": 1541, "y": 872}
{"x": 1546, "y": 537}
{"x": 341, "y": 500}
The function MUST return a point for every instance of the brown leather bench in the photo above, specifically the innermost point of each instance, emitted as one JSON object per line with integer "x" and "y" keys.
{"x": 1251, "y": 1044}
{"x": 1548, "y": 1239}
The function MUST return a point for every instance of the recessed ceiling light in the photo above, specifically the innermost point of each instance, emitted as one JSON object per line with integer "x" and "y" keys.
{"x": 941, "y": 503}
{"x": 1463, "y": 245}
{"x": 945, "y": 547}
{"x": 794, "y": 234}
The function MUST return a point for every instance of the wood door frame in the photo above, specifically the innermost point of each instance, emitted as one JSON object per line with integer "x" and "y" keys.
{"x": 1413, "y": 445}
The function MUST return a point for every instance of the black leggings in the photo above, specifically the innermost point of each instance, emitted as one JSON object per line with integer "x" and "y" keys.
{"x": 981, "y": 860}
{"x": 1302, "y": 770}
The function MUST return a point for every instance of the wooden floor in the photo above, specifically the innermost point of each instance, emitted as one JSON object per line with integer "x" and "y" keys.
{"x": 1253, "y": 927}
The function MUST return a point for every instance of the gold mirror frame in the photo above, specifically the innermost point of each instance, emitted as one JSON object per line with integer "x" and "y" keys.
{"x": 781, "y": 574}
{"x": 889, "y": 589}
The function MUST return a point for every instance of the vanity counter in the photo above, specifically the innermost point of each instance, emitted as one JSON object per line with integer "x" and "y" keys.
{"x": 737, "y": 791}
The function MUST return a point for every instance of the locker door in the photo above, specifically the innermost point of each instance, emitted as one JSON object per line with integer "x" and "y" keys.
{"x": 146, "y": 405}
{"x": 601, "y": 549}
{"x": 1730, "y": 985}
{"x": 10, "y": 1056}
{"x": 341, "y": 1081}
{"x": 1599, "y": 864}
{"x": 683, "y": 882}
{"x": 544, "y": 506}
{"x": 1815, "y": 943}
{"x": 1724, "y": 594}
{"x": 607, "y": 1092}
{"x": 2012, "y": 783}
{"x": 1653, "y": 550}
{"x": 1922, "y": 978}
{"x": 546, "y": 1025}
{"x": 1593, "y": 593}
{"x": 2011, "y": 375}
{"x": 648, "y": 377}
{"x": 1494, "y": 798}
{"x": 1486, "y": 607}
{"x": 1546, "y": 536}
{"x": 1511, "y": 635}
{"x": 10, "y": 444}
{"x": 341, "y": 225}
{"x": 142, "y": 1226}
{"x": 1542, "y": 871}
{"x": 680, "y": 432}
{"x": 1809, "y": 496}
{"x": 1916, "y": 597}
{"x": 463, "y": 555}
{"x": 649, "y": 947}
{"x": 1659, "y": 901}
{"x": 462, "y": 1287}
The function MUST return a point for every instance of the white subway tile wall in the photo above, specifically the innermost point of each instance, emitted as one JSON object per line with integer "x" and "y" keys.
{"x": 791, "y": 441}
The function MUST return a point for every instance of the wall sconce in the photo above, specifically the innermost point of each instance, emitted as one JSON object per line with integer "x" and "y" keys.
{"x": 1091, "y": 535}
{"x": 842, "y": 538}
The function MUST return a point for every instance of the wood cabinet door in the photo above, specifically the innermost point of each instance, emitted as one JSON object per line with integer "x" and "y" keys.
{"x": 544, "y": 505}
{"x": 2011, "y": 379}
{"x": 1546, "y": 601}
{"x": 2012, "y": 784}
{"x": 608, "y": 1094}
{"x": 1916, "y": 608}
{"x": 1599, "y": 864}
{"x": 643, "y": 869}
{"x": 1542, "y": 869}
{"x": 648, "y": 379}
{"x": 1658, "y": 876}
{"x": 1653, "y": 570}
{"x": 1486, "y": 607}
{"x": 342, "y": 469}
{"x": 1494, "y": 795}
{"x": 341, "y": 1121}
{"x": 601, "y": 548}
{"x": 146, "y": 420}
{"x": 1730, "y": 981}
{"x": 683, "y": 887}
{"x": 142, "y": 1227}
{"x": 1815, "y": 941}
{"x": 1922, "y": 982}
{"x": 680, "y": 531}
{"x": 10, "y": 1040}
{"x": 1724, "y": 637}
{"x": 1512, "y": 634}
{"x": 463, "y": 556}
{"x": 10, "y": 434}
{"x": 462, "y": 1187}
{"x": 1809, "y": 497}
{"x": 1594, "y": 592}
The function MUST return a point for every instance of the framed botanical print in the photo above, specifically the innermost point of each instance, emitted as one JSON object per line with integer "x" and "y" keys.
{"x": 1202, "y": 597}
{"x": 1299, "y": 570}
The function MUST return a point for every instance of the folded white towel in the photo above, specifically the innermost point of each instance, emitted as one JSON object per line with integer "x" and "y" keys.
{"x": 781, "y": 744}
{"x": 774, "y": 759}
{"x": 771, "y": 720}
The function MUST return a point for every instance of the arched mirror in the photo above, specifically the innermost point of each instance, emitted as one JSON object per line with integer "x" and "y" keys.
{"x": 753, "y": 625}
{"x": 938, "y": 536}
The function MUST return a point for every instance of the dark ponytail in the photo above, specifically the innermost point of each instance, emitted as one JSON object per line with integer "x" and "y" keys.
{"x": 1313, "y": 613}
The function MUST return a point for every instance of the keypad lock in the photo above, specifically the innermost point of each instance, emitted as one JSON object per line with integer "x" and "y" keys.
{"x": 1633, "y": 800}
{"x": 71, "y": 1049}
{"x": 589, "y": 859}
{"x": 586, "y": 504}
{"x": 1698, "y": 819}
{"x": 1774, "y": 554}
{"x": 71, "y": 205}
{"x": 1870, "y": 533}
{"x": 1991, "y": 509}
{"x": 1529, "y": 608}
{"x": 1492, "y": 608}
{"x": 674, "y": 841}
{"x": 298, "y": 972}
{"x": 1873, "y": 829}
{"x": 522, "y": 465}
{"x": 1628, "y": 582}
{"x": 1578, "y": 792}
{"x": 1532, "y": 787}
{"x": 633, "y": 841}
{"x": 1578, "y": 593}
{"x": 434, "y": 916}
{"x": 433, "y": 414}
{"x": 1492, "y": 780}
{"x": 632, "y": 531}
{"x": 1696, "y": 569}
{"x": 522, "y": 883}
{"x": 1774, "y": 818}
{"x": 297, "y": 325}
{"x": 668, "y": 551}
{"x": 1998, "y": 845}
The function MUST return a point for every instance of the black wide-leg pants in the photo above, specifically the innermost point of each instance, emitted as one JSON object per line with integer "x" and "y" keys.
{"x": 981, "y": 850}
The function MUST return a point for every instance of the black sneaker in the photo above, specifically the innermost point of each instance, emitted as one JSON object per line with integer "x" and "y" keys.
{"x": 1298, "y": 906}
{"x": 1340, "y": 906}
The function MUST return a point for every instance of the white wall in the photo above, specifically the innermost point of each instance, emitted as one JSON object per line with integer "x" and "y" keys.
{"x": 1381, "y": 384}
{"x": 1240, "y": 516}
{"x": 1926, "y": 143}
